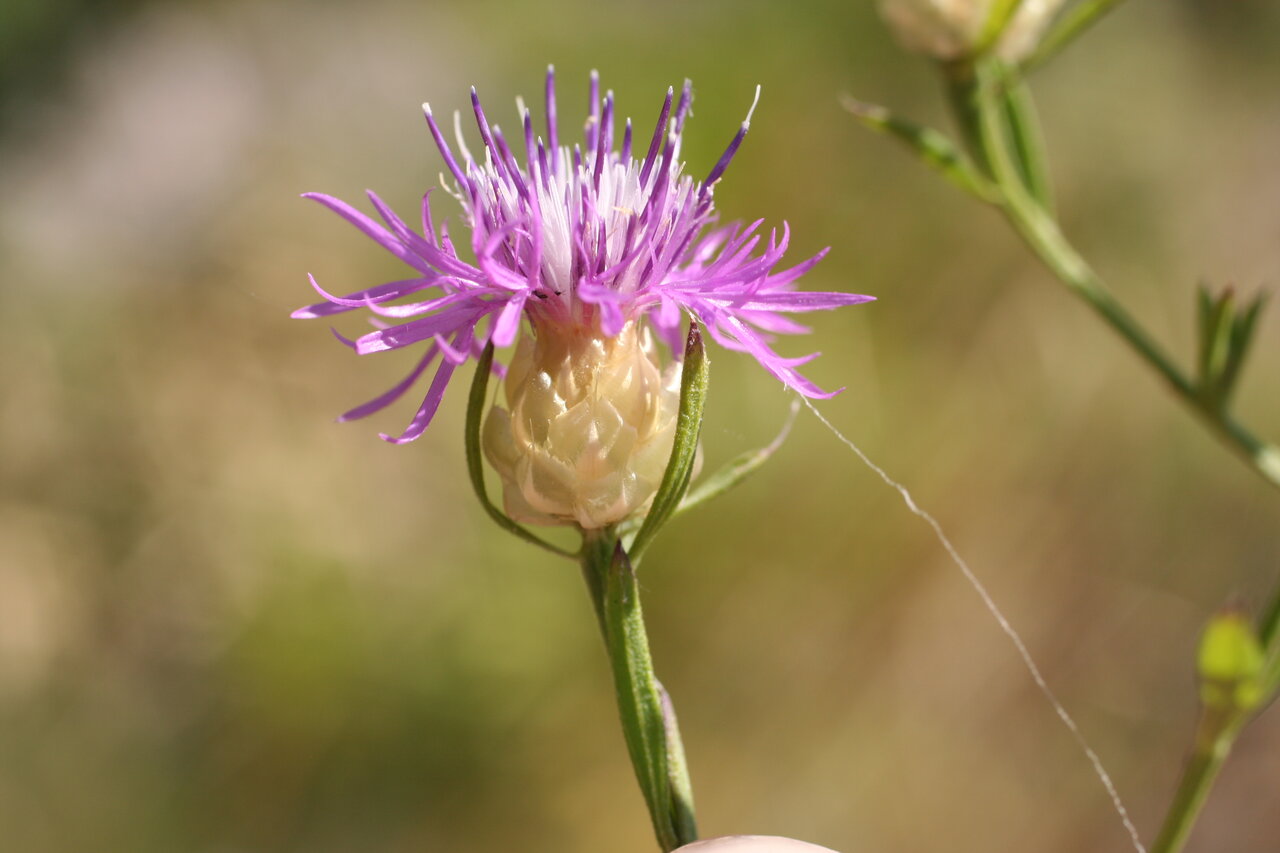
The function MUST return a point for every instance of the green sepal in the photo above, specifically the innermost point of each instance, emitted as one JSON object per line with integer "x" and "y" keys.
{"x": 475, "y": 458}
{"x": 934, "y": 148}
{"x": 1224, "y": 335}
{"x": 684, "y": 449}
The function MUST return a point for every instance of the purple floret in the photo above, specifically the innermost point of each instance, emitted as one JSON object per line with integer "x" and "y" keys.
{"x": 581, "y": 236}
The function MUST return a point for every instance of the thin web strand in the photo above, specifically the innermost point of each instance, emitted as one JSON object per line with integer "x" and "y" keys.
{"x": 1005, "y": 626}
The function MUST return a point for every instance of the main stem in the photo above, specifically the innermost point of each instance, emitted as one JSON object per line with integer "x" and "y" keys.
{"x": 1213, "y": 745}
{"x": 647, "y": 715}
{"x": 1042, "y": 234}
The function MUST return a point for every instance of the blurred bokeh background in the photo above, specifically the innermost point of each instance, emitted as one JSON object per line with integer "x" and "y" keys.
{"x": 229, "y": 624}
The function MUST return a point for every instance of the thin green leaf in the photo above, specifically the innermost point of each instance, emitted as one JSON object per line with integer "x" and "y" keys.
{"x": 1204, "y": 321}
{"x": 1078, "y": 19}
{"x": 933, "y": 147}
{"x": 1215, "y": 344}
{"x": 648, "y": 723}
{"x": 682, "y": 816}
{"x": 475, "y": 459}
{"x": 675, "y": 480}
{"x": 999, "y": 15}
{"x": 738, "y": 468}
{"x": 1240, "y": 337}
{"x": 1028, "y": 141}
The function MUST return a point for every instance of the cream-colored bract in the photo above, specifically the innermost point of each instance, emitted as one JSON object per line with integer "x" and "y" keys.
{"x": 588, "y": 428}
{"x": 950, "y": 29}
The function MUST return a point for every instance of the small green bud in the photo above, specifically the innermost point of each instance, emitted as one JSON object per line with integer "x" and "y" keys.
{"x": 1231, "y": 663}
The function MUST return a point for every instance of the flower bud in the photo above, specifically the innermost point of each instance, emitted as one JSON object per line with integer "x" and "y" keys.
{"x": 1231, "y": 663}
{"x": 951, "y": 29}
{"x": 589, "y": 426}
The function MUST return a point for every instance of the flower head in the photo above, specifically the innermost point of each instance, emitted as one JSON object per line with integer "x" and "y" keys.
{"x": 952, "y": 29}
{"x": 586, "y": 239}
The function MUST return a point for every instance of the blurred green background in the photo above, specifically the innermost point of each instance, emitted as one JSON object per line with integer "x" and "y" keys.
{"x": 229, "y": 624}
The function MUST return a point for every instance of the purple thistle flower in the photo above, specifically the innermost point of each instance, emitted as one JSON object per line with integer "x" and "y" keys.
{"x": 581, "y": 237}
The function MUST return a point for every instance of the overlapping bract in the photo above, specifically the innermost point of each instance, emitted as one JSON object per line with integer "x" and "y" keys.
{"x": 582, "y": 236}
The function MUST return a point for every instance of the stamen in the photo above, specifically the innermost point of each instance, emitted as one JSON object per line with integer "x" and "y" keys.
{"x": 682, "y": 111}
{"x": 445, "y": 153}
{"x": 607, "y": 121}
{"x": 602, "y": 141}
{"x": 727, "y": 156}
{"x": 486, "y": 135}
{"x": 469, "y": 160}
{"x": 553, "y": 139}
{"x": 593, "y": 111}
{"x": 658, "y": 130}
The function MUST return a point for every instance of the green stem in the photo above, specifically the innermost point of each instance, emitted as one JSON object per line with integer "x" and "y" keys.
{"x": 648, "y": 717}
{"x": 1041, "y": 232}
{"x": 1213, "y": 745}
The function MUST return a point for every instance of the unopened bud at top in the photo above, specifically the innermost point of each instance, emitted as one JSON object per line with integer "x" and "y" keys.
{"x": 954, "y": 29}
{"x": 589, "y": 426}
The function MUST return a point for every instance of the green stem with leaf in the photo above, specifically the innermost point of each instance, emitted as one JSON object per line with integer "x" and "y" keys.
{"x": 1238, "y": 675}
{"x": 1008, "y": 140}
{"x": 1006, "y": 168}
{"x": 648, "y": 717}
{"x": 1037, "y": 226}
{"x": 608, "y": 566}
{"x": 1199, "y": 774}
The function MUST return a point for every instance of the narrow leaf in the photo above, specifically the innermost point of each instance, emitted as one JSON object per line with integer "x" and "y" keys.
{"x": 1239, "y": 339}
{"x": 682, "y": 816}
{"x": 1028, "y": 141}
{"x": 1067, "y": 28}
{"x": 738, "y": 468}
{"x": 675, "y": 481}
{"x": 647, "y": 721}
{"x": 933, "y": 147}
{"x": 999, "y": 14}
